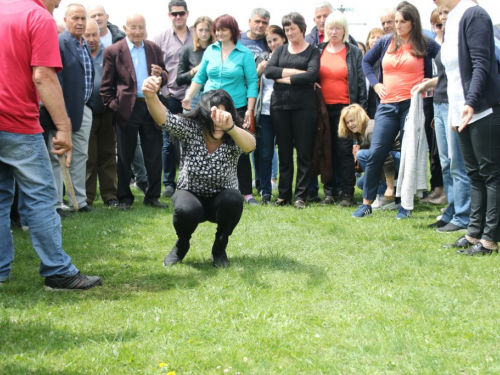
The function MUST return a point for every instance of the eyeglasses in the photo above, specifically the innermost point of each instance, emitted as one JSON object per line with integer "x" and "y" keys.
{"x": 178, "y": 14}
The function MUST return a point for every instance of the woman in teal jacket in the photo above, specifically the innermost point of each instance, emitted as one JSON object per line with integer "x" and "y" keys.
{"x": 229, "y": 65}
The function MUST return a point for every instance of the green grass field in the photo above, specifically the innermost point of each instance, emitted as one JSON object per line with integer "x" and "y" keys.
{"x": 308, "y": 292}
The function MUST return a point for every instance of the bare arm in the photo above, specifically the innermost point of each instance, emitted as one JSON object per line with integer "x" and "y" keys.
{"x": 49, "y": 89}
{"x": 150, "y": 87}
{"x": 194, "y": 89}
{"x": 242, "y": 138}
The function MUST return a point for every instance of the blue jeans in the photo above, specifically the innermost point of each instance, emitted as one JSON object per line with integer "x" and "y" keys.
{"x": 389, "y": 120}
{"x": 25, "y": 158}
{"x": 168, "y": 157}
{"x": 362, "y": 157}
{"x": 265, "y": 152}
{"x": 455, "y": 180}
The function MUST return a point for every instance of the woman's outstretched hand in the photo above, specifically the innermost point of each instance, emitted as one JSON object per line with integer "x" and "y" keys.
{"x": 150, "y": 86}
{"x": 221, "y": 119}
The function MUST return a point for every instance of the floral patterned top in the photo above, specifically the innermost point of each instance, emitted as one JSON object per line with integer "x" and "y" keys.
{"x": 200, "y": 172}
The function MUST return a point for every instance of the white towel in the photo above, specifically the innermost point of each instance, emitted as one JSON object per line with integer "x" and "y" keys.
{"x": 412, "y": 177}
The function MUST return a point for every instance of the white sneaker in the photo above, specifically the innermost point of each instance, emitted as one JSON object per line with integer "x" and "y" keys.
{"x": 381, "y": 203}
{"x": 274, "y": 185}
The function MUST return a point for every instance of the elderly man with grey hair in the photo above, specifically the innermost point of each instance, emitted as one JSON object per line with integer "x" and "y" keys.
{"x": 76, "y": 80}
{"x": 387, "y": 20}
{"x": 321, "y": 11}
{"x": 254, "y": 38}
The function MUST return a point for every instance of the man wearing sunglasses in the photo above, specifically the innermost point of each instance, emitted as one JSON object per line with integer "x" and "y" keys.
{"x": 171, "y": 42}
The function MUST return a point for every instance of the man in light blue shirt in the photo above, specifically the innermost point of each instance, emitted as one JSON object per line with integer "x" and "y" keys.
{"x": 126, "y": 64}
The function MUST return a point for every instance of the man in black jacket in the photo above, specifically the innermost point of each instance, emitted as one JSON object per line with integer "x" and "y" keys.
{"x": 109, "y": 33}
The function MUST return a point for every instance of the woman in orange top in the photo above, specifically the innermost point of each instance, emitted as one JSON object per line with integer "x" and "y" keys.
{"x": 342, "y": 83}
{"x": 406, "y": 59}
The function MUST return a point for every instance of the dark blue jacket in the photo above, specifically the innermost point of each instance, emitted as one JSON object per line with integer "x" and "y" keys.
{"x": 477, "y": 61}
{"x": 377, "y": 52}
{"x": 72, "y": 79}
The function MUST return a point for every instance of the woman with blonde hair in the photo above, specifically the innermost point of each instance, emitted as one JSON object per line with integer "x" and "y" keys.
{"x": 374, "y": 35}
{"x": 190, "y": 55}
{"x": 342, "y": 83}
{"x": 355, "y": 125}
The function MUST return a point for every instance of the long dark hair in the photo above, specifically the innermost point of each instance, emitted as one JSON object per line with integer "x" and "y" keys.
{"x": 418, "y": 40}
{"x": 202, "y": 112}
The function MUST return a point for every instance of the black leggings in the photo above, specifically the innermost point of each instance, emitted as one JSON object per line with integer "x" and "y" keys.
{"x": 224, "y": 209}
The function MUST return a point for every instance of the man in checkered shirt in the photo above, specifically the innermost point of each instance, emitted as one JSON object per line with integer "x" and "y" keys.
{"x": 77, "y": 82}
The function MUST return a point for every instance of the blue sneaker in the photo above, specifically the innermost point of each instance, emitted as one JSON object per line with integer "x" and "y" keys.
{"x": 363, "y": 211}
{"x": 403, "y": 213}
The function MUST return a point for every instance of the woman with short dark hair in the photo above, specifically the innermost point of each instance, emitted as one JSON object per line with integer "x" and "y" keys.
{"x": 294, "y": 68}
{"x": 212, "y": 140}
{"x": 266, "y": 145}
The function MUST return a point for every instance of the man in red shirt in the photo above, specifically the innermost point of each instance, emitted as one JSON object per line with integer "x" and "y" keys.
{"x": 29, "y": 61}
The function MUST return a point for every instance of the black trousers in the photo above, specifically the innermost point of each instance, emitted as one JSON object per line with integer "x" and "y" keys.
{"x": 224, "y": 209}
{"x": 341, "y": 155}
{"x": 140, "y": 123}
{"x": 294, "y": 128}
{"x": 480, "y": 147}
{"x": 244, "y": 168}
{"x": 430, "y": 134}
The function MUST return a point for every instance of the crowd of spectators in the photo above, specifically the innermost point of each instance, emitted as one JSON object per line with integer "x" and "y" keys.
{"x": 321, "y": 104}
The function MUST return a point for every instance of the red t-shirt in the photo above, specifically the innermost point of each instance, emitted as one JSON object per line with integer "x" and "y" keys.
{"x": 28, "y": 38}
{"x": 333, "y": 77}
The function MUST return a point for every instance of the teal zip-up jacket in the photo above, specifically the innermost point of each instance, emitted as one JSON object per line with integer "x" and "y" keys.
{"x": 237, "y": 75}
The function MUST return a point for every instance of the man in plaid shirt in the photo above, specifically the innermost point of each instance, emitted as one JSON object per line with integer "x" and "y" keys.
{"x": 76, "y": 80}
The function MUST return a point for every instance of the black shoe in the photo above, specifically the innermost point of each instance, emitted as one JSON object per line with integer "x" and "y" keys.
{"x": 313, "y": 197}
{"x": 220, "y": 261}
{"x": 437, "y": 224}
{"x": 177, "y": 254}
{"x": 86, "y": 208}
{"x": 346, "y": 201}
{"x": 63, "y": 214}
{"x": 477, "y": 249}
{"x": 286, "y": 202}
{"x": 142, "y": 186}
{"x": 461, "y": 243}
{"x": 448, "y": 228}
{"x": 124, "y": 206}
{"x": 169, "y": 191}
{"x": 155, "y": 203}
{"x": 77, "y": 282}
{"x": 266, "y": 199}
{"x": 112, "y": 203}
